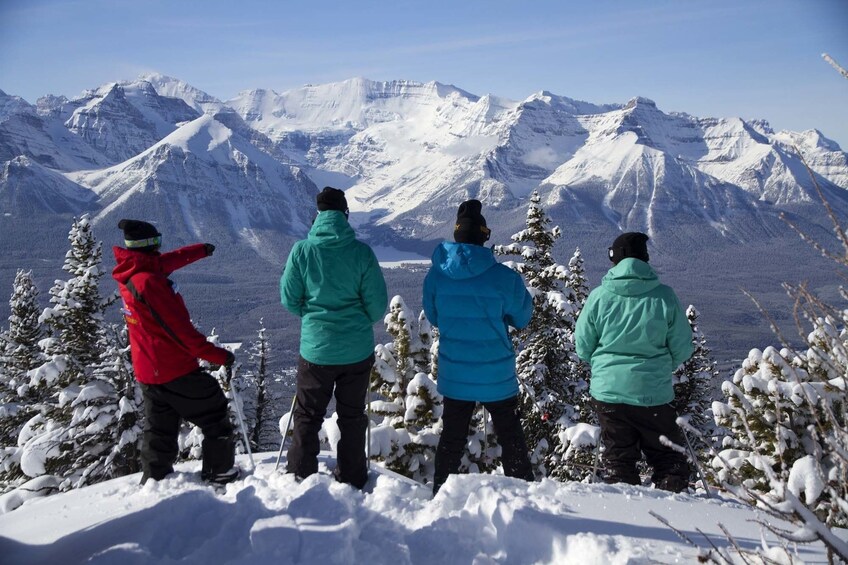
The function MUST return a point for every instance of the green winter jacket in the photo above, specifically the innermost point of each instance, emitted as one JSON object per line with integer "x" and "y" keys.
{"x": 334, "y": 283}
{"x": 634, "y": 333}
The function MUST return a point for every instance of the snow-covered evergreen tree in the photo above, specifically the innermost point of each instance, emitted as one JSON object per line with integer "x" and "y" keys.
{"x": 577, "y": 281}
{"x": 554, "y": 384}
{"x": 787, "y": 412}
{"x": 695, "y": 384}
{"x": 125, "y": 418}
{"x": 72, "y": 437}
{"x": 75, "y": 318}
{"x": 19, "y": 353}
{"x": 264, "y": 412}
{"x": 409, "y": 405}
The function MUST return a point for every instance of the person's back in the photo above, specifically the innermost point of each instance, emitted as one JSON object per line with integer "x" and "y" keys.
{"x": 164, "y": 347}
{"x": 634, "y": 333}
{"x": 334, "y": 284}
{"x": 473, "y": 300}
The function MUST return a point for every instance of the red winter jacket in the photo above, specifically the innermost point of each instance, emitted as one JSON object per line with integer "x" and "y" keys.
{"x": 168, "y": 347}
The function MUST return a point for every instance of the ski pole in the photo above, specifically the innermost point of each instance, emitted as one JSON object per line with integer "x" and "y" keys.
{"x": 237, "y": 402}
{"x": 285, "y": 433}
{"x": 485, "y": 431}
{"x": 368, "y": 440}
{"x": 696, "y": 463}
{"x": 596, "y": 460}
{"x": 544, "y": 413}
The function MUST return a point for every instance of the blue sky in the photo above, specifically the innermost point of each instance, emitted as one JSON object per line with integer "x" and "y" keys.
{"x": 747, "y": 58}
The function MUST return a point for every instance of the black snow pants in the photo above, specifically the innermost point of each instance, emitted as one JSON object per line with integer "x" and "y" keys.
{"x": 628, "y": 431}
{"x": 456, "y": 418}
{"x": 316, "y": 385}
{"x": 197, "y": 398}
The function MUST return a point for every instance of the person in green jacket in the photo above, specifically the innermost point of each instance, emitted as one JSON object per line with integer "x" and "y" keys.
{"x": 333, "y": 282}
{"x": 634, "y": 333}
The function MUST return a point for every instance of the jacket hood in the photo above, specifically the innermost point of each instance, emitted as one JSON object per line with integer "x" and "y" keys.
{"x": 132, "y": 262}
{"x": 462, "y": 260}
{"x": 331, "y": 229}
{"x": 631, "y": 277}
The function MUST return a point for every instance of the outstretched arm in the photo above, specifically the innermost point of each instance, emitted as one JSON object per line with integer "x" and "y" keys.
{"x": 179, "y": 258}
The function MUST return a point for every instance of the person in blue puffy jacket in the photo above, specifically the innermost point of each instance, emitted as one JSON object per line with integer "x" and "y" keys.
{"x": 473, "y": 300}
{"x": 634, "y": 333}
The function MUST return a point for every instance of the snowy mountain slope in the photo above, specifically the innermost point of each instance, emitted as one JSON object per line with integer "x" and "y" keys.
{"x": 122, "y": 120}
{"x": 44, "y": 139}
{"x": 203, "y": 178}
{"x": 383, "y": 139}
{"x": 28, "y": 189}
{"x": 195, "y": 98}
{"x": 270, "y": 518}
{"x": 354, "y": 104}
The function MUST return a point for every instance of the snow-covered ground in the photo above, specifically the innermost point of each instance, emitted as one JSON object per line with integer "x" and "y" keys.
{"x": 267, "y": 517}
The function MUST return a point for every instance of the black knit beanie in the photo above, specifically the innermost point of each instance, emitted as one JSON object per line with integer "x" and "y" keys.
{"x": 140, "y": 236}
{"x": 332, "y": 199}
{"x": 631, "y": 244}
{"x": 470, "y": 224}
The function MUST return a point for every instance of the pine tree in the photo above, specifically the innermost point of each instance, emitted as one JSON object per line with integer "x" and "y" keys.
{"x": 694, "y": 388}
{"x": 553, "y": 382}
{"x": 76, "y": 317}
{"x": 577, "y": 281}
{"x": 410, "y": 408}
{"x": 785, "y": 413}
{"x": 127, "y": 414}
{"x": 265, "y": 415}
{"x": 71, "y": 436}
{"x": 19, "y": 353}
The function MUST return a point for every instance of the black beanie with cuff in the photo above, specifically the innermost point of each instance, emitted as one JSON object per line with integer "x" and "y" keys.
{"x": 630, "y": 244}
{"x": 470, "y": 224}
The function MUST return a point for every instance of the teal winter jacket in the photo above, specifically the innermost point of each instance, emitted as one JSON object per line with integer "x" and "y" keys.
{"x": 473, "y": 300}
{"x": 333, "y": 282}
{"x": 634, "y": 333}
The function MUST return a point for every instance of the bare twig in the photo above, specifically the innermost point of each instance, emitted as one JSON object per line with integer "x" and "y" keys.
{"x": 714, "y": 556}
{"x": 774, "y": 327}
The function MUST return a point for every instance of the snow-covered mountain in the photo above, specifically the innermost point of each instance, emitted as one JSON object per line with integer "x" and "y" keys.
{"x": 204, "y": 178}
{"x": 35, "y": 189}
{"x": 244, "y": 172}
{"x": 121, "y": 121}
{"x": 24, "y": 131}
{"x": 409, "y": 152}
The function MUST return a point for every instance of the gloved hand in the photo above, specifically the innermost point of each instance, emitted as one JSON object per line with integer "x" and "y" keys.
{"x": 209, "y": 249}
{"x": 231, "y": 359}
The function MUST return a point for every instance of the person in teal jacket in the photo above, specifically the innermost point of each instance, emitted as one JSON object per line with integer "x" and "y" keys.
{"x": 634, "y": 333}
{"x": 334, "y": 283}
{"x": 473, "y": 300}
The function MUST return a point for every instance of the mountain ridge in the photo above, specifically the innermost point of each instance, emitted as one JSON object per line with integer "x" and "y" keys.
{"x": 244, "y": 172}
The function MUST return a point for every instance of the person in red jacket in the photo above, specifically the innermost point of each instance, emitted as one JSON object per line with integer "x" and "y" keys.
{"x": 165, "y": 346}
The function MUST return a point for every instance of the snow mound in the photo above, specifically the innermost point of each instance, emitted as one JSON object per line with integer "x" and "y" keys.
{"x": 268, "y": 517}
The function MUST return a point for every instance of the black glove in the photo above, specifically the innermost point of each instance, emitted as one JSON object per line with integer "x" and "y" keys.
{"x": 230, "y": 359}
{"x": 210, "y": 249}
